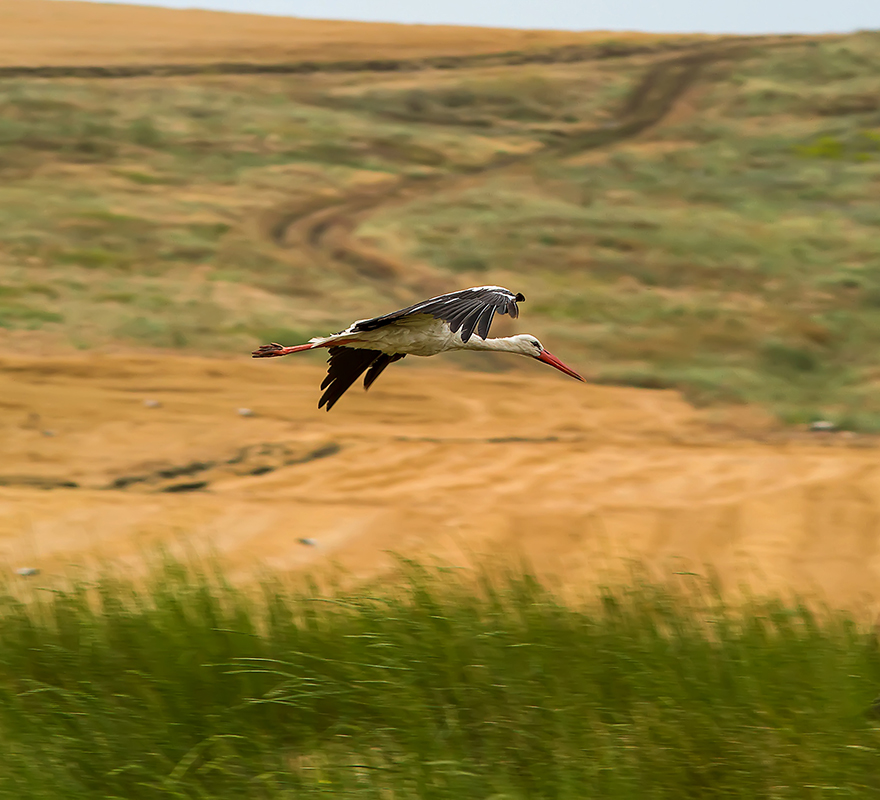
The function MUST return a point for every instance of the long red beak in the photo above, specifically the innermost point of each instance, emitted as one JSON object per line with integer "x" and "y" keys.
{"x": 549, "y": 358}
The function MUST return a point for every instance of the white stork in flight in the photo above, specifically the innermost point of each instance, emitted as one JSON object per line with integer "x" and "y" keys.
{"x": 443, "y": 323}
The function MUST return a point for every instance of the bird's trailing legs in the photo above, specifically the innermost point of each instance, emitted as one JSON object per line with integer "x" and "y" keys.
{"x": 275, "y": 349}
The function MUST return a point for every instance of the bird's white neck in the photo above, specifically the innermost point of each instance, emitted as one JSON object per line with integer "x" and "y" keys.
{"x": 506, "y": 344}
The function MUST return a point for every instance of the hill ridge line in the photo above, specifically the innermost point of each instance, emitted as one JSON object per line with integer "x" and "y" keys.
{"x": 572, "y": 53}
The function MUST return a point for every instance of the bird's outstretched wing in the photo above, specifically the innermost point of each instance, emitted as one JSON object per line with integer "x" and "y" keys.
{"x": 470, "y": 310}
{"x": 346, "y": 365}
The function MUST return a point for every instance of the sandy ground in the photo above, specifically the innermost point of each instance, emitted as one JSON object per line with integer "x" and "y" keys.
{"x": 433, "y": 463}
{"x": 48, "y": 32}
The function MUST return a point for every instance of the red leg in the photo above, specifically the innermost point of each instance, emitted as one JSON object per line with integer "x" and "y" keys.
{"x": 275, "y": 349}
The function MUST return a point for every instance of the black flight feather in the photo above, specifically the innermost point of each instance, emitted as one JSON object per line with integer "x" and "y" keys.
{"x": 466, "y": 311}
{"x": 378, "y": 365}
{"x": 347, "y": 364}
{"x": 484, "y": 321}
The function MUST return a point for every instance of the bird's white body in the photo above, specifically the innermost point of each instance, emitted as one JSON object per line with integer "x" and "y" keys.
{"x": 420, "y": 336}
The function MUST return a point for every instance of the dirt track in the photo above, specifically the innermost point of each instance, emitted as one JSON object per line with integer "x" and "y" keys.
{"x": 432, "y": 463}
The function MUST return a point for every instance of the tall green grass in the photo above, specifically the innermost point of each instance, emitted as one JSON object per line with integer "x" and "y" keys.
{"x": 186, "y": 687}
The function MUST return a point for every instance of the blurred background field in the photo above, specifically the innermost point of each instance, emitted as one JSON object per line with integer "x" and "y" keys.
{"x": 696, "y": 215}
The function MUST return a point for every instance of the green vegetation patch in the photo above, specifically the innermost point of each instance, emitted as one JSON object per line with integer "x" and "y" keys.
{"x": 15, "y": 315}
{"x": 508, "y": 100}
{"x": 190, "y": 688}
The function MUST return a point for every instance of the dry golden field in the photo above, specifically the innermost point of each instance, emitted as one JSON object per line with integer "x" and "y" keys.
{"x": 432, "y": 463}
{"x": 148, "y": 221}
{"x": 48, "y": 32}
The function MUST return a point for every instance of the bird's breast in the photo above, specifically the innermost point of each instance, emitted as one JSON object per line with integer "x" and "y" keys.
{"x": 415, "y": 337}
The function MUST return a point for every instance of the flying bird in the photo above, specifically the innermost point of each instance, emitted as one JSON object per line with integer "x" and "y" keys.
{"x": 455, "y": 321}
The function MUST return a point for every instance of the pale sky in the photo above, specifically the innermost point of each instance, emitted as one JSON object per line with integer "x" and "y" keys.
{"x": 657, "y": 16}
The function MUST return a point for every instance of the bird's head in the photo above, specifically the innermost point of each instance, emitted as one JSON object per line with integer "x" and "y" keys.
{"x": 528, "y": 345}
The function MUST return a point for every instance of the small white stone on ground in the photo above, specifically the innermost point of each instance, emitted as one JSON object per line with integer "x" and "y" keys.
{"x": 152, "y": 404}
{"x": 27, "y": 571}
{"x": 823, "y": 425}
{"x": 245, "y": 412}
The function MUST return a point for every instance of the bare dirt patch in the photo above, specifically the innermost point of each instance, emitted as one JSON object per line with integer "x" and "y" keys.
{"x": 431, "y": 464}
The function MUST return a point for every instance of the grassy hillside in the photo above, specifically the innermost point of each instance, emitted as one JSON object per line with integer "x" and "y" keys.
{"x": 698, "y": 216}
{"x": 187, "y": 688}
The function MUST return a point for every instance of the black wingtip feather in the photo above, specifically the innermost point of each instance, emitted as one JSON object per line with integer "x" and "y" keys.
{"x": 470, "y": 322}
{"x": 484, "y": 321}
{"x": 513, "y": 308}
{"x": 346, "y": 365}
{"x": 378, "y": 365}
{"x": 462, "y": 319}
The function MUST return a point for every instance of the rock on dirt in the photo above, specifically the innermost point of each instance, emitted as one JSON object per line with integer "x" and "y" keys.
{"x": 27, "y": 572}
{"x": 822, "y": 426}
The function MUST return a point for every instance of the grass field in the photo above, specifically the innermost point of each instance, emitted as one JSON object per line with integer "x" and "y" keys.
{"x": 729, "y": 248}
{"x": 186, "y": 687}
